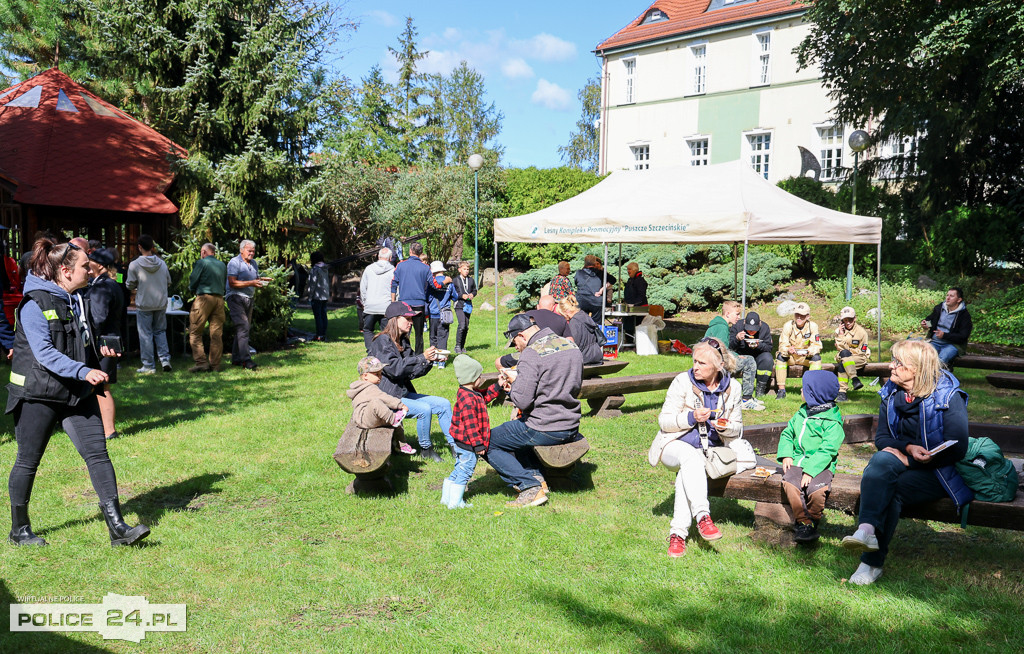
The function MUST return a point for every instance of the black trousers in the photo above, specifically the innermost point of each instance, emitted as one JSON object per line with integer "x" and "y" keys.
{"x": 438, "y": 333}
{"x": 418, "y": 322}
{"x": 33, "y": 426}
{"x": 368, "y": 323}
{"x": 463, "y": 328}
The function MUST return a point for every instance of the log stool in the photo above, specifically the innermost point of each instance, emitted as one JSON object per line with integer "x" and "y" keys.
{"x": 366, "y": 454}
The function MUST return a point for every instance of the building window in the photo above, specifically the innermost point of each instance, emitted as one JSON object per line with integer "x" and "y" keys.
{"x": 641, "y": 156}
{"x": 698, "y": 151}
{"x": 763, "y": 59}
{"x": 900, "y": 154}
{"x": 699, "y": 73}
{"x": 759, "y": 146}
{"x": 630, "y": 80}
{"x": 831, "y": 152}
{"x": 654, "y": 16}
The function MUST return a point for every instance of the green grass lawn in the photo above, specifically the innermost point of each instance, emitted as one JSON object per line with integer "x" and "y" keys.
{"x": 253, "y": 531}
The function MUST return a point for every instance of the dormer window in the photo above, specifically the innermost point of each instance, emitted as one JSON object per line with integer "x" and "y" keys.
{"x": 654, "y": 16}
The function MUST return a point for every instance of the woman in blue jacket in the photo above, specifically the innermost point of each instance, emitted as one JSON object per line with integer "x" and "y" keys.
{"x": 439, "y": 299}
{"x": 922, "y": 407}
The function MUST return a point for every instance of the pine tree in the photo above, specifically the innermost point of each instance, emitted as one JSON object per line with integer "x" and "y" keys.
{"x": 409, "y": 91}
{"x": 582, "y": 150}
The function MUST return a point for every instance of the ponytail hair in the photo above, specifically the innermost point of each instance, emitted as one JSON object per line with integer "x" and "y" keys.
{"x": 47, "y": 256}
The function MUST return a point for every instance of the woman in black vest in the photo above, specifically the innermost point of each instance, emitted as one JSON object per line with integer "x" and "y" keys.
{"x": 54, "y": 372}
{"x": 105, "y": 302}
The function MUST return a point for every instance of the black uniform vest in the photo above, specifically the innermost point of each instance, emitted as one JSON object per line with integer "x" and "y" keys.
{"x": 30, "y": 380}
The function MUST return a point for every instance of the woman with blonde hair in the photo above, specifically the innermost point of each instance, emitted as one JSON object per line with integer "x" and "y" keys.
{"x": 583, "y": 328}
{"x": 701, "y": 401}
{"x": 922, "y": 407}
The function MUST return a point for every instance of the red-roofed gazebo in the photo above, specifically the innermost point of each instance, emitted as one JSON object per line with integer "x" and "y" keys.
{"x": 73, "y": 163}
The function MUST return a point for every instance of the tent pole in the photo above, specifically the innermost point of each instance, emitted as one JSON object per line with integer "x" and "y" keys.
{"x": 496, "y": 341}
{"x": 879, "y": 278}
{"x": 735, "y": 268}
{"x": 744, "y": 300}
{"x": 618, "y": 291}
{"x": 604, "y": 271}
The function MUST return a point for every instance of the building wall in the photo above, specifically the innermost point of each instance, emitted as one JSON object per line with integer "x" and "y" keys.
{"x": 665, "y": 110}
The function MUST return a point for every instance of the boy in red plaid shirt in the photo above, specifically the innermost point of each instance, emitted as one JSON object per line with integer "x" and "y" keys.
{"x": 471, "y": 428}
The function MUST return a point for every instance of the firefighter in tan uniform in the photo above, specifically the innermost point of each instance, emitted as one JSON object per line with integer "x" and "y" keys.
{"x": 852, "y": 352}
{"x": 800, "y": 344}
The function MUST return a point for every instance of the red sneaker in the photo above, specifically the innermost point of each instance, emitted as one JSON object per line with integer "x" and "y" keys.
{"x": 707, "y": 529}
{"x": 676, "y": 546}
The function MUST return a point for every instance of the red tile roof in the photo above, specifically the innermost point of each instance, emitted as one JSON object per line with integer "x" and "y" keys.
{"x": 95, "y": 158}
{"x": 692, "y": 15}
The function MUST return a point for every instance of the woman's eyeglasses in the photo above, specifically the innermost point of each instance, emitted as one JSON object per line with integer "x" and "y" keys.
{"x": 713, "y": 342}
{"x": 896, "y": 363}
{"x": 69, "y": 248}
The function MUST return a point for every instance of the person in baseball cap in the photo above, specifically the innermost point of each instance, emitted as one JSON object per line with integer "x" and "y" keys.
{"x": 852, "y": 352}
{"x": 753, "y": 338}
{"x": 369, "y": 364}
{"x": 800, "y": 344}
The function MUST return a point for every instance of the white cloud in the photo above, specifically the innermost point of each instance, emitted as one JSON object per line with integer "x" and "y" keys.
{"x": 516, "y": 68}
{"x": 551, "y": 96}
{"x": 383, "y": 17}
{"x": 439, "y": 61}
{"x": 451, "y": 34}
{"x": 545, "y": 47}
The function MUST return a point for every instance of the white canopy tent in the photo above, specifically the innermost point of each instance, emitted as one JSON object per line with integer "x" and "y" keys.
{"x": 723, "y": 203}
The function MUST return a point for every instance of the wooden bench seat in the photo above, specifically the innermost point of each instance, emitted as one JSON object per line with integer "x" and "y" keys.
{"x": 1006, "y": 380}
{"x": 981, "y": 362}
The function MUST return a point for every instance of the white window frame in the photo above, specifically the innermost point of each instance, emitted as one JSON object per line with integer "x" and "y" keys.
{"x": 757, "y": 148}
{"x": 761, "y": 64}
{"x": 831, "y": 150}
{"x": 629, "y": 80}
{"x": 698, "y": 158}
{"x": 697, "y": 67}
{"x": 641, "y": 153}
{"x": 897, "y": 147}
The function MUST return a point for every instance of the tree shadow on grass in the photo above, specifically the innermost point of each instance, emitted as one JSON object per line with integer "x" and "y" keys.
{"x": 35, "y": 641}
{"x": 153, "y": 504}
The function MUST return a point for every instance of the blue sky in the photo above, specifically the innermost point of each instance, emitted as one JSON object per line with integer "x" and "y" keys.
{"x": 534, "y": 56}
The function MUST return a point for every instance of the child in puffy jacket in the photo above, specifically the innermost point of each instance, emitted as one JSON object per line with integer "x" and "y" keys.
{"x": 808, "y": 450}
{"x": 372, "y": 407}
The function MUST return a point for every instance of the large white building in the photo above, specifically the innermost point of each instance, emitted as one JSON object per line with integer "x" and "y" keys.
{"x": 697, "y": 82}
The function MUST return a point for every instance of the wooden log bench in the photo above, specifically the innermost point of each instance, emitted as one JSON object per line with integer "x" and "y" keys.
{"x": 366, "y": 453}
{"x": 982, "y": 362}
{"x": 772, "y": 512}
{"x": 1006, "y": 380}
{"x": 558, "y": 461}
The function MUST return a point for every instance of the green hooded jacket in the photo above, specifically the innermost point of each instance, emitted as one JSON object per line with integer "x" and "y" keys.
{"x": 813, "y": 441}
{"x": 719, "y": 328}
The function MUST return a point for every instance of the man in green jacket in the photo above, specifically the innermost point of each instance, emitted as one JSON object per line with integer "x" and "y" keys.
{"x": 719, "y": 328}
{"x": 808, "y": 450}
{"x": 207, "y": 281}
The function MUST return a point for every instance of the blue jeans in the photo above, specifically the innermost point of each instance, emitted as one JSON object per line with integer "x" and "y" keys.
{"x": 320, "y": 316}
{"x": 947, "y": 351}
{"x": 888, "y": 485}
{"x": 153, "y": 328}
{"x": 422, "y": 407}
{"x": 465, "y": 463}
{"x": 511, "y": 451}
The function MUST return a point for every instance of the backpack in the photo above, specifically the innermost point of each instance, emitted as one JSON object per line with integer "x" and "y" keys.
{"x": 393, "y": 244}
{"x": 599, "y": 334}
{"x": 985, "y": 471}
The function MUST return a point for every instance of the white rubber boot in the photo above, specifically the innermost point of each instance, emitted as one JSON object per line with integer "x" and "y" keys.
{"x": 455, "y": 497}
{"x": 446, "y": 491}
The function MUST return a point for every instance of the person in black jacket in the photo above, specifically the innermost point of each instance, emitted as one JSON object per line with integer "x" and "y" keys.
{"x": 401, "y": 366}
{"x": 54, "y": 372}
{"x": 465, "y": 291}
{"x": 105, "y": 302}
{"x": 753, "y": 338}
{"x": 949, "y": 326}
{"x": 590, "y": 285}
{"x": 634, "y": 294}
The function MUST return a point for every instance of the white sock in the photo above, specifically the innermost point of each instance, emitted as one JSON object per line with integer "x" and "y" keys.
{"x": 866, "y": 528}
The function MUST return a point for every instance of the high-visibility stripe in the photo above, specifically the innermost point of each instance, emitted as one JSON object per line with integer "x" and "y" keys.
{"x": 50, "y": 314}
{"x": 17, "y": 380}
{"x": 815, "y": 365}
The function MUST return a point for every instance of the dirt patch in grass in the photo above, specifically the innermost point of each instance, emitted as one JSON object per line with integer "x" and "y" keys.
{"x": 385, "y": 609}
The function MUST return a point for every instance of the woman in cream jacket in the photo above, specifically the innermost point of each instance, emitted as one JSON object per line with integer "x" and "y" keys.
{"x": 702, "y": 397}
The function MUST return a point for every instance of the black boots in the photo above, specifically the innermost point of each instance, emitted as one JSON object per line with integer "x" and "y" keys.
{"x": 21, "y": 530}
{"x": 762, "y": 385}
{"x": 429, "y": 454}
{"x": 120, "y": 533}
{"x": 857, "y": 383}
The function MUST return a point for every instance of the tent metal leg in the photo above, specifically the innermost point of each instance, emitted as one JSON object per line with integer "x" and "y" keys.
{"x": 497, "y": 342}
{"x": 744, "y": 300}
{"x": 735, "y": 268}
{"x": 879, "y": 279}
{"x": 604, "y": 295}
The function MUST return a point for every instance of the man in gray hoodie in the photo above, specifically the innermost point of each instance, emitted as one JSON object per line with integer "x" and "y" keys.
{"x": 375, "y": 293}
{"x": 149, "y": 278}
{"x": 544, "y": 389}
